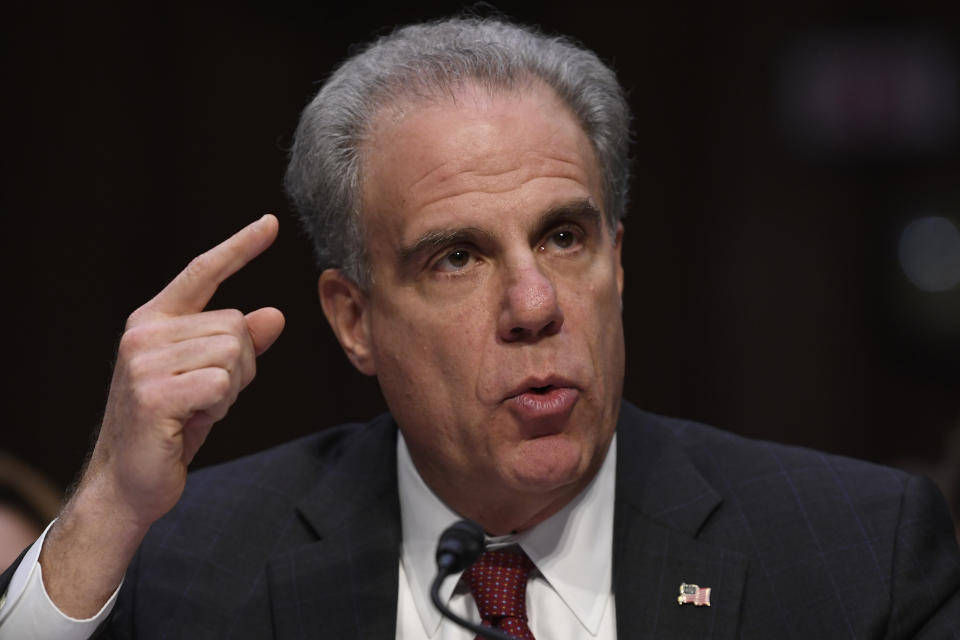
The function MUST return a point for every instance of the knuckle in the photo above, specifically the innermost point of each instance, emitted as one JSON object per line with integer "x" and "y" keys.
{"x": 232, "y": 348}
{"x": 148, "y": 398}
{"x": 138, "y": 366}
{"x": 235, "y": 321}
{"x": 197, "y": 267}
{"x": 137, "y": 317}
{"x": 220, "y": 382}
{"x": 131, "y": 342}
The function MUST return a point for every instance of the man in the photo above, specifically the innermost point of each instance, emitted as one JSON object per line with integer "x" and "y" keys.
{"x": 464, "y": 182}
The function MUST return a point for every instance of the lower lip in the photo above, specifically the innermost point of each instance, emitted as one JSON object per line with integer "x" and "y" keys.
{"x": 544, "y": 409}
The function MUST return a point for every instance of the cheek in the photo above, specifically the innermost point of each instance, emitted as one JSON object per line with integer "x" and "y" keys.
{"x": 612, "y": 345}
{"x": 421, "y": 349}
{"x": 599, "y": 304}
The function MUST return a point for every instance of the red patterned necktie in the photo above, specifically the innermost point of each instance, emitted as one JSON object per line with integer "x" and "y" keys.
{"x": 498, "y": 583}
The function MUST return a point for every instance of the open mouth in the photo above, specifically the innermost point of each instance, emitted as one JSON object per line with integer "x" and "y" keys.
{"x": 539, "y": 403}
{"x": 544, "y": 385}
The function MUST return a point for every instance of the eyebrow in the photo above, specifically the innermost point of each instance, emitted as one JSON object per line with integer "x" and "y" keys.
{"x": 581, "y": 211}
{"x": 438, "y": 238}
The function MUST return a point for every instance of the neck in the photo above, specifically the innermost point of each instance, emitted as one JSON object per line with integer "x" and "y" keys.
{"x": 501, "y": 520}
{"x": 505, "y": 510}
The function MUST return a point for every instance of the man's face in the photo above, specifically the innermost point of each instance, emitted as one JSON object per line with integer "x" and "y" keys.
{"x": 493, "y": 319}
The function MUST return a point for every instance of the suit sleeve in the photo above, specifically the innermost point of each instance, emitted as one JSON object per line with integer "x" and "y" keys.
{"x": 925, "y": 580}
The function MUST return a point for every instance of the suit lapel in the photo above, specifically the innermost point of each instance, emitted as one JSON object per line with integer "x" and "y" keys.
{"x": 344, "y": 585}
{"x": 662, "y": 503}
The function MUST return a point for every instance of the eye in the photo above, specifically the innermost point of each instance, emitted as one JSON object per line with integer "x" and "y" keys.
{"x": 455, "y": 260}
{"x": 562, "y": 239}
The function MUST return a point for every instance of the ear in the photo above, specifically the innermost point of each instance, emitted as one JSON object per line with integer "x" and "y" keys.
{"x": 345, "y": 304}
{"x": 617, "y": 247}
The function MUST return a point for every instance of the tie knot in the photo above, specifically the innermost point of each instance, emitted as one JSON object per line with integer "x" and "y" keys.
{"x": 498, "y": 583}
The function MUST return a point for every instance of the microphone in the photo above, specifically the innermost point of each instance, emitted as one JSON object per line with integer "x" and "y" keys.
{"x": 459, "y": 547}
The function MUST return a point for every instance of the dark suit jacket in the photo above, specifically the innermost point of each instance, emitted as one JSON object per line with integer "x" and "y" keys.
{"x": 303, "y": 540}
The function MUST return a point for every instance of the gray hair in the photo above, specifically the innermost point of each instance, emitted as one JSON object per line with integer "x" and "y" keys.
{"x": 424, "y": 61}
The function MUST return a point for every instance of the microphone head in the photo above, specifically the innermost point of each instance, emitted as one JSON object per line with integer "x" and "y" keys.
{"x": 459, "y": 547}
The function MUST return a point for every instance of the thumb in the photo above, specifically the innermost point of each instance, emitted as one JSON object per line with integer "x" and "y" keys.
{"x": 264, "y": 326}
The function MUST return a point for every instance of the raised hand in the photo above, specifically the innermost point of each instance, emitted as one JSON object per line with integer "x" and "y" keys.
{"x": 179, "y": 369}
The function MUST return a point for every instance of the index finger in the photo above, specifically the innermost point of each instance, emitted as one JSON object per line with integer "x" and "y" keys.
{"x": 193, "y": 287}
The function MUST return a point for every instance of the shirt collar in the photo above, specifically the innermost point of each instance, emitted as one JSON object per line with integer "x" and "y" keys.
{"x": 572, "y": 549}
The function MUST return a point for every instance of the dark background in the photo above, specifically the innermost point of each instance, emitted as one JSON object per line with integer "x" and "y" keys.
{"x": 763, "y": 292}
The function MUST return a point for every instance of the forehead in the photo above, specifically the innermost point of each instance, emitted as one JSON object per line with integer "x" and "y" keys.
{"x": 473, "y": 147}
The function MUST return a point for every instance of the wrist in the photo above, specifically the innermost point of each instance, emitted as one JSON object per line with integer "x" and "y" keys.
{"x": 87, "y": 551}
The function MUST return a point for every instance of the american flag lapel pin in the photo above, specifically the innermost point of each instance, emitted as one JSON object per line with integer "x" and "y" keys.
{"x": 695, "y": 595}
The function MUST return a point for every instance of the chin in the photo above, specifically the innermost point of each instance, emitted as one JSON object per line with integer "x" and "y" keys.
{"x": 549, "y": 463}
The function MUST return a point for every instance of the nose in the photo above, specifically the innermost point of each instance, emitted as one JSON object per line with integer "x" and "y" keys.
{"x": 531, "y": 309}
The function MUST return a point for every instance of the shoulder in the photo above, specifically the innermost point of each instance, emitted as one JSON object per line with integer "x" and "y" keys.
{"x": 286, "y": 472}
{"x": 739, "y": 467}
{"x": 267, "y": 486}
{"x": 264, "y": 490}
{"x": 816, "y": 531}
{"x": 204, "y": 564}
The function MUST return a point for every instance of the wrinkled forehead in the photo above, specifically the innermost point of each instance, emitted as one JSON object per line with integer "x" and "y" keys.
{"x": 452, "y": 104}
{"x": 492, "y": 162}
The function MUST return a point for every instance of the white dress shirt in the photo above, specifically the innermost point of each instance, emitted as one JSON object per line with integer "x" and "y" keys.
{"x": 569, "y": 594}
{"x": 28, "y": 613}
